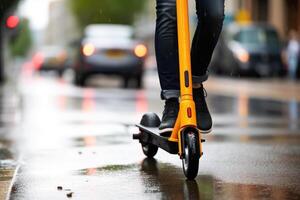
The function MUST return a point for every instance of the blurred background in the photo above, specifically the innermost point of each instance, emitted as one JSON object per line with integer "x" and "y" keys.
{"x": 39, "y": 33}
{"x": 76, "y": 75}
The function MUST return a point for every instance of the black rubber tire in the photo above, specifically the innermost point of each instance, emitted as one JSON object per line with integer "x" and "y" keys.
{"x": 150, "y": 120}
{"x": 139, "y": 81}
{"x": 190, "y": 162}
{"x": 79, "y": 80}
{"x": 149, "y": 150}
{"x": 125, "y": 82}
{"x": 60, "y": 73}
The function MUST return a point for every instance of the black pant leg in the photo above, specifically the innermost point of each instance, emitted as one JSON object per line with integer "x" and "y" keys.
{"x": 210, "y": 14}
{"x": 166, "y": 44}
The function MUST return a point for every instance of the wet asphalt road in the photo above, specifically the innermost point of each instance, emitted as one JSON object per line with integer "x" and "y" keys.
{"x": 76, "y": 142}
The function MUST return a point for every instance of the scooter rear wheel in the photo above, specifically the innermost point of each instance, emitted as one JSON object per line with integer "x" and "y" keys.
{"x": 149, "y": 150}
{"x": 190, "y": 161}
{"x": 150, "y": 120}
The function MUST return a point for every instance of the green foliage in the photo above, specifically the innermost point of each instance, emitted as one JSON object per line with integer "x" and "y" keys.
{"x": 22, "y": 42}
{"x": 105, "y": 11}
{"x": 5, "y": 6}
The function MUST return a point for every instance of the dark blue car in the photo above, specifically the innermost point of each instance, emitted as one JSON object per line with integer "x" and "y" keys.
{"x": 249, "y": 50}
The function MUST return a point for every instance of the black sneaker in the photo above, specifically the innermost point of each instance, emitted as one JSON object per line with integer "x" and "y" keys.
{"x": 169, "y": 117}
{"x": 204, "y": 121}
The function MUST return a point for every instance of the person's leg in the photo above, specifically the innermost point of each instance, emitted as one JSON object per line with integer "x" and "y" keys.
{"x": 293, "y": 67}
{"x": 210, "y": 15}
{"x": 166, "y": 48}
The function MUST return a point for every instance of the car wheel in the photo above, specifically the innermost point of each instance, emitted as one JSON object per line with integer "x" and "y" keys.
{"x": 60, "y": 73}
{"x": 79, "y": 80}
{"x": 139, "y": 81}
{"x": 125, "y": 82}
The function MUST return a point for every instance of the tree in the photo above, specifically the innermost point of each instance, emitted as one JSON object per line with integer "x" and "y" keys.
{"x": 105, "y": 11}
{"x": 5, "y": 6}
{"x": 20, "y": 45}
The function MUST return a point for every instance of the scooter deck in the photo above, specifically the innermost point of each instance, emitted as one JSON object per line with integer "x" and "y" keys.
{"x": 149, "y": 135}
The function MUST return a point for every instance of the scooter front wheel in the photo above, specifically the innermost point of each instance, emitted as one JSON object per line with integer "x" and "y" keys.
{"x": 190, "y": 161}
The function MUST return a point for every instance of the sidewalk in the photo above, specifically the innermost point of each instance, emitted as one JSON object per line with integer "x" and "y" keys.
{"x": 6, "y": 176}
{"x": 8, "y": 119}
{"x": 276, "y": 89}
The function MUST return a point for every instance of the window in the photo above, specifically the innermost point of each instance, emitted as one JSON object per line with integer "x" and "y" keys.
{"x": 257, "y": 36}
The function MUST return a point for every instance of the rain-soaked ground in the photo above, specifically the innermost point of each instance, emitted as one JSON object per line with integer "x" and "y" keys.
{"x": 77, "y": 143}
{"x": 8, "y": 117}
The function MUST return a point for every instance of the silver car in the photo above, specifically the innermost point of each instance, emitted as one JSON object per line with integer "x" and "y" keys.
{"x": 110, "y": 49}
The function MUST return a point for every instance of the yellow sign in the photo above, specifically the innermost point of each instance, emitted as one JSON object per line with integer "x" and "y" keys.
{"x": 243, "y": 17}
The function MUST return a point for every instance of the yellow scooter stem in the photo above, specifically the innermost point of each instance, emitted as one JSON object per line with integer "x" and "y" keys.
{"x": 187, "y": 113}
{"x": 184, "y": 49}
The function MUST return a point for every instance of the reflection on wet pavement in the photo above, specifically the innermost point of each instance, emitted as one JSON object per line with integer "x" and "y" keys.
{"x": 8, "y": 120}
{"x": 80, "y": 140}
{"x": 256, "y": 109}
{"x": 101, "y": 140}
{"x": 292, "y": 139}
{"x": 161, "y": 181}
{"x": 206, "y": 186}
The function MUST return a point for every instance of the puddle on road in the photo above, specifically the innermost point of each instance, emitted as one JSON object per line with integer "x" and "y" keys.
{"x": 278, "y": 139}
{"x": 100, "y": 140}
{"x": 92, "y": 101}
{"x": 106, "y": 169}
{"x": 280, "y": 123}
{"x": 220, "y": 104}
{"x": 166, "y": 181}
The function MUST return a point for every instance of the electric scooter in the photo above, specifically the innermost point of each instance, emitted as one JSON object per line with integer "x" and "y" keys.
{"x": 185, "y": 139}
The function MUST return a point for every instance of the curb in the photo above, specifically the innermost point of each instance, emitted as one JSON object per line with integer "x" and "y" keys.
{"x": 12, "y": 183}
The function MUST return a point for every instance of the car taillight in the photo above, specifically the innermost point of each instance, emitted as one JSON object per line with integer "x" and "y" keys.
{"x": 88, "y": 49}
{"x": 38, "y": 60}
{"x": 140, "y": 50}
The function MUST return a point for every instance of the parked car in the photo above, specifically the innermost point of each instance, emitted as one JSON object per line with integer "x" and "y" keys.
{"x": 51, "y": 58}
{"x": 112, "y": 50}
{"x": 249, "y": 50}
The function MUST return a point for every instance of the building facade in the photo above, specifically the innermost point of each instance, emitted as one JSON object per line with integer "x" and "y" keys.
{"x": 283, "y": 14}
{"x": 61, "y": 27}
